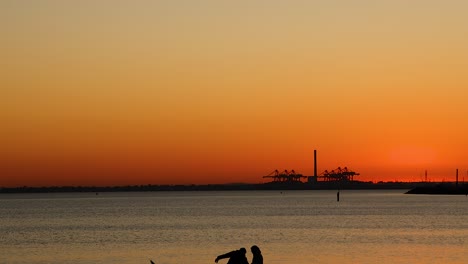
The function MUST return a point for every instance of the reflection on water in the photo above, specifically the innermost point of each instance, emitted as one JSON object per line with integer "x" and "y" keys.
{"x": 194, "y": 227}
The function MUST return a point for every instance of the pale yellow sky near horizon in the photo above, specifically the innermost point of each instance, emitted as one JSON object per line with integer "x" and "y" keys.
{"x": 223, "y": 91}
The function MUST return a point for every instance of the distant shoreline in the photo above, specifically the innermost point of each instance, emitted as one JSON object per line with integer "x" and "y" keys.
{"x": 356, "y": 185}
{"x": 441, "y": 189}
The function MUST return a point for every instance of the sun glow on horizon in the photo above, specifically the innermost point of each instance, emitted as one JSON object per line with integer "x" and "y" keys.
{"x": 415, "y": 156}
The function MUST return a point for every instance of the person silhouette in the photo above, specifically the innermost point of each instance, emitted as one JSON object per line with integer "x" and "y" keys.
{"x": 257, "y": 255}
{"x": 235, "y": 257}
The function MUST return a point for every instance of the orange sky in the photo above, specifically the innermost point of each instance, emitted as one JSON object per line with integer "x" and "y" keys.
{"x": 182, "y": 92}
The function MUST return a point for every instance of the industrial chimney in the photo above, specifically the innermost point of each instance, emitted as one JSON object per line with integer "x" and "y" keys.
{"x": 315, "y": 163}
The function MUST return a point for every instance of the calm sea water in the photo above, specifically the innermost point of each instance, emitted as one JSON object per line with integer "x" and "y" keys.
{"x": 194, "y": 227}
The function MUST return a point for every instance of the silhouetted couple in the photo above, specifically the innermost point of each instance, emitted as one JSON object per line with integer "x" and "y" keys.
{"x": 238, "y": 256}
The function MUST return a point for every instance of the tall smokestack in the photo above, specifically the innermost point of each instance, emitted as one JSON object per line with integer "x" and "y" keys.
{"x": 315, "y": 163}
{"x": 456, "y": 183}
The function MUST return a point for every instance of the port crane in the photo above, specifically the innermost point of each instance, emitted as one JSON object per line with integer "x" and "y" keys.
{"x": 285, "y": 176}
{"x": 338, "y": 174}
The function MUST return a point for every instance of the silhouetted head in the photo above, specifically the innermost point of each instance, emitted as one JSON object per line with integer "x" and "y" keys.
{"x": 255, "y": 250}
{"x": 243, "y": 250}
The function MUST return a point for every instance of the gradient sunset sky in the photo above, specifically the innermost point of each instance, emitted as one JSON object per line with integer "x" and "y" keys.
{"x": 211, "y": 91}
